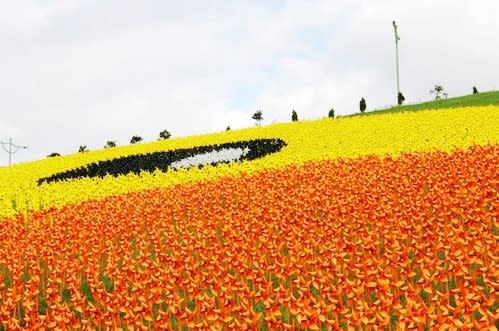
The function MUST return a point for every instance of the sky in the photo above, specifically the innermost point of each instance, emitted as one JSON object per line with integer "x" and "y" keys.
{"x": 83, "y": 72}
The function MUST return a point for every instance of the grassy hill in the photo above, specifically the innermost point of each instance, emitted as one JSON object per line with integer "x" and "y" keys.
{"x": 481, "y": 99}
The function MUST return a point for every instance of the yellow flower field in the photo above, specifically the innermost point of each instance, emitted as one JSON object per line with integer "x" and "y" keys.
{"x": 442, "y": 130}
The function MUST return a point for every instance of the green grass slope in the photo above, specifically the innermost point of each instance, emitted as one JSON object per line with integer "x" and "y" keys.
{"x": 473, "y": 100}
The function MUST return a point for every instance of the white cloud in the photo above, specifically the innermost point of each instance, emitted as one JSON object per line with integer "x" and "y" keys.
{"x": 84, "y": 72}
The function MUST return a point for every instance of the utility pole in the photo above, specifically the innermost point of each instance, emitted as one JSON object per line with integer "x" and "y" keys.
{"x": 397, "y": 38}
{"x": 11, "y": 149}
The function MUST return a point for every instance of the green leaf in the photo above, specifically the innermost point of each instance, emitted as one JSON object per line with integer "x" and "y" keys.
{"x": 66, "y": 295}
{"x": 86, "y": 291}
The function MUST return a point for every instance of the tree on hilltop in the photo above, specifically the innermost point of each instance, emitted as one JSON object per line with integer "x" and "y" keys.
{"x": 82, "y": 149}
{"x": 257, "y": 116}
{"x": 362, "y": 105}
{"x": 165, "y": 134}
{"x": 437, "y": 90}
{"x": 110, "y": 144}
{"x": 331, "y": 113}
{"x": 400, "y": 98}
{"x": 294, "y": 116}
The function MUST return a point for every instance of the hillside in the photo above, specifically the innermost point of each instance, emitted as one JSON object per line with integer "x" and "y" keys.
{"x": 330, "y": 224}
{"x": 481, "y": 99}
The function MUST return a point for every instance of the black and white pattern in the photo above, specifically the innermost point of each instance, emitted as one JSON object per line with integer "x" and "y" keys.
{"x": 172, "y": 160}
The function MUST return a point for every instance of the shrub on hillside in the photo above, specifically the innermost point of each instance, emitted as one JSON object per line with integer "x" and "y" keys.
{"x": 135, "y": 139}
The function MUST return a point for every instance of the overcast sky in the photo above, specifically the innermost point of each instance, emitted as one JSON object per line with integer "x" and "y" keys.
{"x": 82, "y": 72}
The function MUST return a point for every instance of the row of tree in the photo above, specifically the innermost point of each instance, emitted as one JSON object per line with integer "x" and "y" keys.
{"x": 438, "y": 90}
{"x": 258, "y": 116}
{"x": 165, "y": 134}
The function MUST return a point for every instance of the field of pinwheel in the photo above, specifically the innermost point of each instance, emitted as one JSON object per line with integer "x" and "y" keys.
{"x": 380, "y": 222}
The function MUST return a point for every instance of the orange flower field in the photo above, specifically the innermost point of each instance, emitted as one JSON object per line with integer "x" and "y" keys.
{"x": 373, "y": 242}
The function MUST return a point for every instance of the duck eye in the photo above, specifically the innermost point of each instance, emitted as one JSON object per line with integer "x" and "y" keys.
{"x": 172, "y": 160}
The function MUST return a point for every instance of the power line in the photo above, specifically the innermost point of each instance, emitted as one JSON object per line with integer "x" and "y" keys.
{"x": 12, "y": 148}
